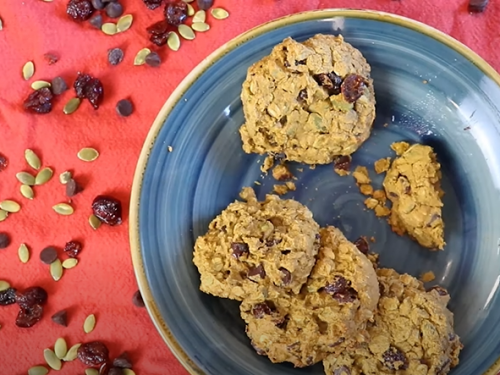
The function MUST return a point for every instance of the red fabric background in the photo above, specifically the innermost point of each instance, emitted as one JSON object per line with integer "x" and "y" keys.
{"x": 103, "y": 282}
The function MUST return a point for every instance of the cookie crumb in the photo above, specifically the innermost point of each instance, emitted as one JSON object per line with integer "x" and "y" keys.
{"x": 170, "y": 148}
{"x": 282, "y": 173}
{"x": 382, "y": 165}
{"x": 371, "y": 203}
{"x": 257, "y": 183}
{"x": 268, "y": 164}
{"x": 342, "y": 165}
{"x": 400, "y": 147}
{"x": 291, "y": 186}
{"x": 361, "y": 175}
{"x": 366, "y": 189}
{"x": 372, "y": 239}
{"x": 283, "y": 189}
{"x": 381, "y": 211}
{"x": 427, "y": 277}
{"x": 380, "y": 196}
{"x": 385, "y": 125}
{"x": 312, "y": 166}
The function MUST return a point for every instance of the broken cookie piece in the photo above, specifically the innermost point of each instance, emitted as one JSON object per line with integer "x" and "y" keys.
{"x": 283, "y": 189}
{"x": 400, "y": 147}
{"x": 361, "y": 176}
{"x": 282, "y": 173}
{"x": 382, "y": 165}
{"x": 342, "y": 165}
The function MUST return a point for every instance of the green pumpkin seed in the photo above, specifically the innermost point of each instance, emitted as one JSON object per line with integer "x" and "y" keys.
{"x": 44, "y": 176}
{"x": 65, "y": 177}
{"x": 92, "y": 371}
{"x": 63, "y": 209}
{"x": 200, "y": 26}
{"x": 10, "y": 206}
{"x": 27, "y": 192}
{"x": 4, "y": 285}
{"x": 60, "y": 348}
{"x": 72, "y": 353}
{"x": 190, "y": 10}
{"x": 52, "y": 360}
{"x": 71, "y": 106}
{"x": 94, "y": 222}
{"x": 3, "y": 215}
{"x": 56, "y": 270}
{"x": 140, "y": 58}
{"x": 109, "y": 28}
{"x": 37, "y": 85}
{"x": 28, "y": 70}
{"x": 25, "y": 178}
{"x": 70, "y": 263}
{"x": 200, "y": 16}
{"x": 32, "y": 159}
{"x": 188, "y": 1}
{"x": 89, "y": 324}
{"x": 23, "y": 253}
{"x": 38, "y": 370}
{"x": 219, "y": 13}
{"x": 127, "y": 371}
{"x": 88, "y": 154}
{"x": 186, "y": 32}
{"x": 173, "y": 41}
{"x": 124, "y": 23}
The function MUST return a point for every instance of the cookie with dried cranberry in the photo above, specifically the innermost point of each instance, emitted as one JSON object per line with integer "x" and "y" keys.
{"x": 412, "y": 333}
{"x": 253, "y": 246}
{"x": 339, "y": 298}
{"x": 311, "y": 101}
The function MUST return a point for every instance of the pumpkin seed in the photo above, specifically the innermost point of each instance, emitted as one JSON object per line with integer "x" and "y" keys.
{"x": 63, "y": 209}
{"x": 200, "y": 26}
{"x": 10, "y": 206}
{"x": 219, "y": 13}
{"x": 23, "y": 253}
{"x": 27, "y": 192}
{"x": 124, "y": 23}
{"x": 3, "y": 215}
{"x": 38, "y": 370}
{"x": 186, "y": 32}
{"x": 65, "y": 177}
{"x": 140, "y": 58}
{"x": 91, "y": 371}
{"x": 89, "y": 324}
{"x": 32, "y": 159}
{"x": 28, "y": 70}
{"x": 37, "y": 85}
{"x": 44, "y": 176}
{"x": 72, "y": 353}
{"x": 71, "y": 106}
{"x": 127, "y": 371}
{"x": 173, "y": 41}
{"x": 61, "y": 348}
{"x": 52, "y": 360}
{"x": 88, "y": 154}
{"x": 25, "y": 178}
{"x": 109, "y": 28}
{"x": 94, "y": 222}
{"x": 70, "y": 263}
{"x": 200, "y": 16}
{"x": 190, "y": 10}
{"x": 56, "y": 270}
{"x": 188, "y": 1}
{"x": 4, "y": 285}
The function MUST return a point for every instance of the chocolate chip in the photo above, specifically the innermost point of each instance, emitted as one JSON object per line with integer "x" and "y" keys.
{"x": 286, "y": 276}
{"x": 273, "y": 242}
{"x": 279, "y": 157}
{"x": 124, "y": 108}
{"x": 282, "y": 323}
{"x": 96, "y": 21}
{"x": 342, "y": 371}
{"x": 257, "y": 271}
{"x": 394, "y": 359}
{"x": 330, "y": 81}
{"x": 362, "y": 245}
{"x": 302, "y": 97}
{"x": 440, "y": 290}
{"x": 433, "y": 218}
{"x": 73, "y": 188}
{"x": 4, "y": 240}
{"x": 115, "y": 371}
{"x": 342, "y": 163}
{"x": 114, "y": 10}
{"x": 477, "y": 6}
{"x": 261, "y": 309}
{"x": 97, "y": 4}
{"x": 153, "y": 59}
{"x": 301, "y": 62}
{"x": 48, "y": 255}
{"x": 58, "y": 85}
{"x": 239, "y": 249}
{"x": 341, "y": 290}
{"x": 61, "y": 318}
{"x": 393, "y": 194}
{"x": 115, "y": 56}
{"x": 137, "y": 299}
{"x": 123, "y": 361}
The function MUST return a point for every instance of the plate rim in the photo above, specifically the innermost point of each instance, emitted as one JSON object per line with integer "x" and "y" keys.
{"x": 175, "y": 97}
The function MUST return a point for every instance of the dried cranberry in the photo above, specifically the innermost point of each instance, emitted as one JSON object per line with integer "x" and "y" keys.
{"x": 205, "y": 4}
{"x": 286, "y": 276}
{"x": 39, "y": 101}
{"x": 353, "y": 87}
{"x": 80, "y": 10}
{"x": 342, "y": 163}
{"x": 28, "y": 317}
{"x": 362, "y": 245}
{"x": 159, "y": 39}
{"x": 7, "y": 297}
{"x": 94, "y": 92}
{"x": 329, "y": 81}
{"x": 341, "y": 290}
{"x": 176, "y": 12}
{"x": 123, "y": 361}
{"x": 107, "y": 209}
{"x": 4, "y": 162}
{"x": 31, "y": 297}
{"x": 257, "y": 271}
{"x": 153, "y": 4}
{"x": 239, "y": 249}
{"x": 93, "y": 353}
{"x": 80, "y": 83}
{"x": 158, "y": 28}
{"x": 394, "y": 359}
{"x": 73, "y": 248}
{"x": 261, "y": 309}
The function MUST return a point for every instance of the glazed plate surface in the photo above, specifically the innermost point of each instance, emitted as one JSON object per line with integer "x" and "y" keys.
{"x": 429, "y": 89}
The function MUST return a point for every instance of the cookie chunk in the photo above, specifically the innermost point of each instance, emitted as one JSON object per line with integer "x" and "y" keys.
{"x": 340, "y": 297}
{"x": 413, "y": 185}
{"x": 253, "y": 245}
{"x": 412, "y": 333}
{"x": 310, "y": 101}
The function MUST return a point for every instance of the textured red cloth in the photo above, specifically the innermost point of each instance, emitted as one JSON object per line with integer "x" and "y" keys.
{"x": 103, "y": 282}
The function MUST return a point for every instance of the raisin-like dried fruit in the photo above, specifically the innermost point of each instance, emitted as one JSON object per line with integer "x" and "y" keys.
{"x": 341, "y": 290}
{"x": 123, "y": 361}
{"x": 73, "y": 248}
{"x": 342, "y": 163}
{"x": 286, "y": 276}
{"x": 257, "y": 271}
{"x": 7, "y": 297}
{"x": 107, "y": 209}
{"x": 239, "y": 249}
{"x": 176, "y": 12}
{"x": 261, "y": 309}
{"x": 39, "y": 101}
{"x": 32, "y": 296}
{"x": 94, "y": 92}
{"x": 353, "y": 87}
{"x": 205, "y": 4}
{"x": 158, "y": 28}
{"x": 153, "y": 4}
{"x": 28, "y": 317}
{"x": 394, "y": 359}
{"x": 362, "y": 245}
{"x": 80, "y": 83}
{"x": 80, "y": 10}
{"x": 4, "y": 162}
{"x": 159, "y": 39}
{"x": 330, "y": 81}
{"x": 93, "y": 353}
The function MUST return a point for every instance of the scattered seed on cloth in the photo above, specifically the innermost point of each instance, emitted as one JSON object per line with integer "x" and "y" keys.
{"x": 37, "y": 85}
{"x": 25, "y": 178}
{"x": 72, "y": 353}
{"x": 56, "y": 270}
{"x": 200, "y": 16}
{"x": 89, "y": 324}
{"x": 140, "y": 58}
{"x": 109, "y": 28}
{"x": 124, "y": 23}
{"x": 88, "y": 154}
{"x": 186, "y": 32}
{"x": 94, "y": 222}
{"x": 60, "y": 348}
{"x": 32, "y": 159}
{"x": 70, "y": 263}
{"x": 28, "y": 70}
{"x": 23, "y": 253}
{"x": 44, "y": 176}
{"x": 173, "y": 41}
{"x": 200, "y": 26}
{"x": 65, "y": 177}
{"x": 3, "y": 215}
{"x": 153, "y": 59}
{"x": 27, "y": 192}
{"x": 38, "y": 370}
{"x": 10, "y": 206}
{"x": 219, "y": 13}
{"x": 4, "y": 285}
{"x": 52, "y": 360}
{"x": 63, "y": 209}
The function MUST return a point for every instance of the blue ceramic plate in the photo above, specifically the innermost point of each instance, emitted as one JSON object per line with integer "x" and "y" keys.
{"x": 429, "y": 89}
